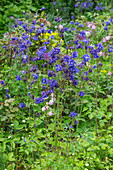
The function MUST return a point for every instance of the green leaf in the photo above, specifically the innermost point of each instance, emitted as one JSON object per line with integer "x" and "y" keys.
{"x": 16, "y": 123}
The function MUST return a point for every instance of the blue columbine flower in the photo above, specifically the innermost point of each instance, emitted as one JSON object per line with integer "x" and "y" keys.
{"x": 71, "y": 63}
{"x": 35, "y": 76}
{"x": 7, "y": 95}
{"x": 110, "y": 49}
{"x": 107, "y": 23}
{"x": 44, "y": 81}
{"x": 75, "y": 82}
{"x": 74, "y": 54}
{"x": 24, "y": 58}
{"x": 17, "y": 77}
{"x": 1, "y": 82}
{"x": 43, "y": 95}
{"x": 73, "y": 114}
{"x": 94, "y": 66}
{"x": 37, "y": 114}
{"x": 39, "y": 100}
{"x": 99, "y": 47}
{"x": 105, "y": 28}
{"x": 21, "y": 105}
{"x": 86, "y": 57}
{"x": 66, "y": 58}
{"x": 58, "y": 68}
{"x": 52, "y": 83}
{"x": 81, "y": 93}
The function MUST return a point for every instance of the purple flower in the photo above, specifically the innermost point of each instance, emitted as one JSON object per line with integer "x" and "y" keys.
{"x": 58, "y": 68}
{"x": 74, "y": 54}
{"x": 35, "y": 76}
{"x": 86, "y": 57}
{"x": 42, "y": 9}
{"x": 43, "y": 95}
{"x": 44, "y": 81}
{"x": 75, "y": 82}
{"x": 37, "y": 114}
{"x": 94, "y": 66}
{"x": 1, "y": 82}
{"x": 107, "y": 23}
{"x": 90, "y": 70}
{"x": 110, "y": 49}
{"x": 21, "y": 105}
{"x": 7, "y": 95}
{"x": 24, "y": 58}
{"x": 17, "y": 77}
{"x": 66, "y": 58}
{"x": 71, "y": 63}
{"x": 11, "y": 17}
{"x": 100, "y": 64}
{"x": 52, "y": 83}
{"x": 73, "y": 114}
{"x": 81, "y": 93}
{"x": 75, "y": 121}
{"x": 39, "y": 100}
{"x": 105, "y": 28}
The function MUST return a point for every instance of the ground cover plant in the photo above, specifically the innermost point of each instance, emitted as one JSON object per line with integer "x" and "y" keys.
{"x": 56, "y": 93}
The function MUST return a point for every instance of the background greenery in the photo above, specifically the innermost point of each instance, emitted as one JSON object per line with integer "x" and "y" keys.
{"x": 15, "y": 8}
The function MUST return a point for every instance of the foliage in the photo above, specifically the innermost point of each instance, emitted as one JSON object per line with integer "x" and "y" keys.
{"x": 56, "y": 93}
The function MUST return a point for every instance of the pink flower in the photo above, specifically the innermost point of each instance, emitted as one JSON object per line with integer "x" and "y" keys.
{"x": 46, "y": 57}
{"x": 109, "y": 73}
{"x": 87, "y": 33}
{"x": 90, "y": 31}
{"x": 50, "y": 113}
{"x": 43, "y": 109}
{"x": 51, "y": 102}
{"x": 60, "y": 26}
{"x": 90, "y": 83}
{"x": 108, "y": 37}
{"x": 104, "y": 40}
{"x": 101, "y": 54}
{"x": 93, "y": 26}
{"x": 55, "y": 27}
{"x": 47, "y": 107}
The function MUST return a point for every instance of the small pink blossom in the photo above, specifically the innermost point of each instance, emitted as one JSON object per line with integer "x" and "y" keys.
{"x": 50, "y": 113}
{"x": 109, "y": 73}
{"x": 101, "y": 54}
{"x": 55, "y": 27}
{"x": 47, "y": 107}
{"x": 104, "y": 40}
{"x": 60, "y": 26}
{"x": 51, "y": 102}
{"x": 46, "y": 57}
{"x": 108, "y": 37}
{"x": 93, "y": 26}
{"x": 43, "y": 109}
{"x": 87, "y": 33}
{"x": 90, "y": 31}
{"x": 90, "y": 83}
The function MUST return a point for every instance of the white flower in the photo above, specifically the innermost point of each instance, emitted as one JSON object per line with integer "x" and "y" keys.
{"x": 51, "y": 102}
{"x": 87, "y": 164}
{"x": 23, "y": 121}
{"x": 108, "y": 37}
{"x": 9, "y": 136}
{"x": 12, "y": 124}
{"x": 43, "y": 109}
{"x": 50, "y": 113}
{"x": 47, "y": 107}
{"x": 60, "y": 26}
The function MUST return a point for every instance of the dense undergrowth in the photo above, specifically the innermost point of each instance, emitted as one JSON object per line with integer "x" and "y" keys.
{"x": 56, "y": 94}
